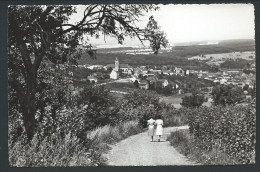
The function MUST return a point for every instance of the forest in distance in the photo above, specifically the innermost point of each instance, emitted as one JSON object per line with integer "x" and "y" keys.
{"x": 174, "y": 56}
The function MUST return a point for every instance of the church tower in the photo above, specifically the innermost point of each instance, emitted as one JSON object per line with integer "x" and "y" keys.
{"x": 116, "y": 65}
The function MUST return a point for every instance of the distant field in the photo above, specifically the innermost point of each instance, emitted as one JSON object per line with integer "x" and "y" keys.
{"x": 174, "y": 99}
{"x": 220, "y": 58}
{"x": 177, "y": 99}
{"x": 123, "y": 87}
{"x": 177, "y": 56}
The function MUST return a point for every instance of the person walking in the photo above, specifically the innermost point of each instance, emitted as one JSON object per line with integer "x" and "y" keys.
{"x": 150, "y": 124}
{"x": 159, "y": 127}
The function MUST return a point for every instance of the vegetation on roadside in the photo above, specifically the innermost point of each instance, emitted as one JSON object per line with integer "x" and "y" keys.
{"x": 79, "y": 133}
{"x": 219, "y": 135}
{"x": 69, "y": 150}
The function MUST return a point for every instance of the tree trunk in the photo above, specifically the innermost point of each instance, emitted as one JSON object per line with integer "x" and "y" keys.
{"x": 29, "y": 105}
{"x": 28, "y": 113}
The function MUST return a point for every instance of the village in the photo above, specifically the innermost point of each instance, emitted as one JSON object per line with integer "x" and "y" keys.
{"x": 169, "y": 77}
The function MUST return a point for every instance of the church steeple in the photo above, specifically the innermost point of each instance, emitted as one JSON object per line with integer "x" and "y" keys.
{"x": 116, "y": 65}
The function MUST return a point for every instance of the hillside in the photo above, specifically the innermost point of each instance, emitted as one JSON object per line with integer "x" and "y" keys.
{"x": 176, "y": 56}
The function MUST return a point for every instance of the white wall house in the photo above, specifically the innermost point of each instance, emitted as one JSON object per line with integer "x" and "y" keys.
{"x": 115, "y": 72}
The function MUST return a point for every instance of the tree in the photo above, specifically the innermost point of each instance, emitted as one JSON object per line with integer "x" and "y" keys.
{"x": 156, "y": 37}
{"x": 136, "y": 84}
{"x": 109, "y": 69}
{"x": 37, "y": 34}
{"x": 226, "y": 95}
{"x": 195, "y": 100}
{"x": 246, "y": 87}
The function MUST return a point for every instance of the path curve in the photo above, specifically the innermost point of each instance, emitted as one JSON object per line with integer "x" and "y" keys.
{"x": 138, "y": 150}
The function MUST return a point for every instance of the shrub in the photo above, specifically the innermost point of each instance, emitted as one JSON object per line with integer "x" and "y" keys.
{"x": 69, "y": 150}
{"x": 185, "y": 143}
{"x": 226, "y": 95}
{"x": 232, "y": 127}
{"x": 195, "y": 100}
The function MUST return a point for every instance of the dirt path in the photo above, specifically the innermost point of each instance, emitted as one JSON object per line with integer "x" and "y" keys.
{"x": 138, "y": 150}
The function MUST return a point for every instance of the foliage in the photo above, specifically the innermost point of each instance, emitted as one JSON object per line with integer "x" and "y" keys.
{"x": 194, "y": 100}
{"x": 167, "y": 90}
{"x": 185, "y": 144}
{"x": 236, "y": 64}
{"x": 248, "y": 71}
{"x": 69, "y": 150}
{"x": 173, "y": 116}
{"x": 139, "y": 105}
{"x": 155, "y": 36}
{"x": 232, "y": 129}
{"x": 136, "y": 84}
{"x": 226, "y": 95}
{"x": 227, "y": 46}
{"x": 39, "y": 34}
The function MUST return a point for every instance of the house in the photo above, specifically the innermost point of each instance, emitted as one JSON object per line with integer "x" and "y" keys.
{"x": 175, "y": 85}
{"x": 162, "y": 82}
{"x": 216, "y": 81}
{"x": 133, "y": 79}
{"x": 144, "y": 84}
{"x": 155, "y": 71}
{"x": 92, "y": 67}
{"x": 125, "y": 68}
{"x": 223, "y": 81}
{"x": 178, "y": 71}
{"x": 137, "y": 72}
{"x": 167, "y": 72}
{"x": 149, "y": 74}
{"x": 115, "y": 72}
{"x": 92, "y": 79}
{"x": 249, "y": 83}
{"x": 187, "y": 72}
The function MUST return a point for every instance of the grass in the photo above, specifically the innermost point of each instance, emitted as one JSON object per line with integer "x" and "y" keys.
{"x": 69, "y": 151}
{"x": 123, "y": 87}
{"x": 185, "y": 144}
{"x": 173, "y": 99}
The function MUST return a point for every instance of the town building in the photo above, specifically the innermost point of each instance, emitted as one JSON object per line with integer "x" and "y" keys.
{"x": 92, "y": 79}
{"x": 115, "y": 72}
{"x": 144, "y": 84}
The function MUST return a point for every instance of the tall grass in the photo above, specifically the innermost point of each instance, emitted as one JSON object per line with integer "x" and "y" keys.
{"x": 69, "y": 151}
{"x": 219, "y": 135}
{"x": 186, "y": 145}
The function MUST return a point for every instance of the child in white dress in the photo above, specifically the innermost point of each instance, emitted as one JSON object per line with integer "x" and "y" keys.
{"x": 159, "y": 127}
{"x": 150, "y": 124}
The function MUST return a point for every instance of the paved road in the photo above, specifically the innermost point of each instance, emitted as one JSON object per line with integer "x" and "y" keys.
{"x": 138, "y": 150}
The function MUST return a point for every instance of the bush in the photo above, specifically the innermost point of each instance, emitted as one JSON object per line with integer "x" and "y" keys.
{"x": 139, "y": 105}
{"x": 52, "y": 151}
{"x": 232, "y": 127}
{"x": 227, "y": 95}
{"x": 195, "y": 100}
{"x": 69, "y": 150}
{"x": 185, "y": 144}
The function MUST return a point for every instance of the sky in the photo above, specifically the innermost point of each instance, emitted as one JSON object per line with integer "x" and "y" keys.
{"x": 193, "y": 22}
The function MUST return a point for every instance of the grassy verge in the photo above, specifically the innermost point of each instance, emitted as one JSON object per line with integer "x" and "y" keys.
{"x": 68, "y": 151}
{"x": 186, "y": 145}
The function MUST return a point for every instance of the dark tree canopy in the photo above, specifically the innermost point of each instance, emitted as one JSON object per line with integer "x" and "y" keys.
{"x": 195, "y": 100}
{"x": 227, "y": 95}
{"x": 41, "y": 34}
